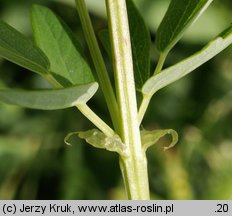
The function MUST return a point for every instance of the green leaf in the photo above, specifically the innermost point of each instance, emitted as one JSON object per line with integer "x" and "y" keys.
{"x": 150, "y": 138}
{"x": 179, "y": 16}
{"x": 51, "y": 99}
{"x": 186, "y": 66}
{"x": 99, "y": 140}
{"x": 140, "y": 44}
{"x": 56, "y": 40}
{"x": 105, "y": 40}
{"x": 16, "y": 48}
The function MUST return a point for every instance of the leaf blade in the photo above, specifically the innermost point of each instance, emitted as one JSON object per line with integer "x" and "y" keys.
{"x": 18, "y": 49}
{"x": 105, "y": 41}
{"x": 179, "y": 16}
{"x": 140, "y": 42}
{"x": 51, "y": 99}
{"x": 186, "y": 66}
{"x": 56, "y": 40}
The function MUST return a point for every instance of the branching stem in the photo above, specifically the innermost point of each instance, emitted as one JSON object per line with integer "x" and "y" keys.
{"x": 134, "y": 167}
{"x": 160, "y": 63}
{"x": 85, "y": 110}
{"x": 97, "y": 121}
{"x": 143, "y": 107}
{"x": 98, "y": 61}
{"x": 147, "y": 98}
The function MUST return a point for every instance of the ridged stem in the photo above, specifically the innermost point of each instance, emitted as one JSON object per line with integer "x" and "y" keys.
{"x": 134, "y": 167}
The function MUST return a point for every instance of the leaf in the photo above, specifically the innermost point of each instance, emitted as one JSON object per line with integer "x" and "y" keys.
{"x": 99, "y": 140}
{"x": 51, "y": 99}
{"x": 179, "y": 16}
{"x": 186, "y": 66}
{"x": 105, "y": 40}
{"x": 150, "y": 138}
{"x": 16, "y": 48}
{"x": 140, "y": 44}
{"x": 56, "y": 40}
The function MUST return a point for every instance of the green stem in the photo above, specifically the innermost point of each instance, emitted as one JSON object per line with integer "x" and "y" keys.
{"x": 98, "y": 61}
{"x": 134, "y": 167}
{"x": 98, "y": 122}
{"x": 85, "y": 110}
{"x": 143, "y": 107}
{"x": 147, "y": 98}
{"x": 160, "y": 63}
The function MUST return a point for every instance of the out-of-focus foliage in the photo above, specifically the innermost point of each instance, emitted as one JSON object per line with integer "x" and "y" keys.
{"x": 36, "y": 164}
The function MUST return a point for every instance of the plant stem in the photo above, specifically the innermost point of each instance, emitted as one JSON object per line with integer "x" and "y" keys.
{"x": 147, "y": 98}
{"x": 98, "y": 122}
{"x": 99, "y": 64}
{"x": 160, "y": 63}
{"x": 85, "y": 110}
{"x": 134, "y": 167}
{"x": 143, "y": 107}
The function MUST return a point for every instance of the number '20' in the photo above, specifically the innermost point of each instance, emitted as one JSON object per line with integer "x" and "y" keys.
{"x": 222, "y": 208}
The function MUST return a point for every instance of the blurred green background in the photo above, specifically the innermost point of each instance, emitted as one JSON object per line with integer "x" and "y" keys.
{"x": 36, "y": 164}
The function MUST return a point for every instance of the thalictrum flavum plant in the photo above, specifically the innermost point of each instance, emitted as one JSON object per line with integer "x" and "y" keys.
{"x": 56, "y": 55}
